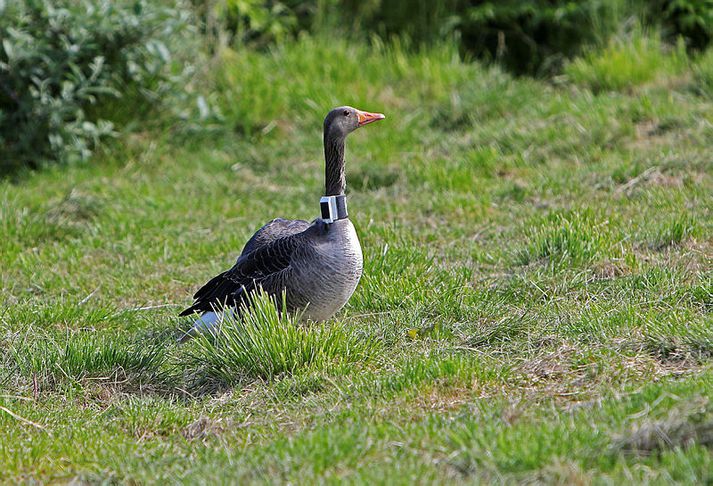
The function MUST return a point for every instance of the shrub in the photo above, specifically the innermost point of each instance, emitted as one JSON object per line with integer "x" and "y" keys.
{"x": 258, "y": 21}
{"x": 421, "y": 21}
{"x": 60, "y": 61}
{"x": 525, "y": 36}
{"x": 535, "y": 37}
{"x": 690, "y": 19}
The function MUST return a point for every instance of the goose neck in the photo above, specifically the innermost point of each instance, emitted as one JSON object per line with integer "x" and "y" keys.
{"x": 334, "y": 172}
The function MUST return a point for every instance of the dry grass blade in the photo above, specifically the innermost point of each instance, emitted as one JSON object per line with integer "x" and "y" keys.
{"x": 21, "y": 419}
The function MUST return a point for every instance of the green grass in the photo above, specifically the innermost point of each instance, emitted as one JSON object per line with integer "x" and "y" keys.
{"x": 265, "y": 344}
{"x": 535, "y": 305}
{"x": 568, "y": 239}
{"x": 74, "y": 358}
{"x": 703, "y": 74}
{"x": 628, "y": 63}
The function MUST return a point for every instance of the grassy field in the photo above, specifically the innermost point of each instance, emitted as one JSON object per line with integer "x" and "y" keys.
{"x": 535, "y": 305}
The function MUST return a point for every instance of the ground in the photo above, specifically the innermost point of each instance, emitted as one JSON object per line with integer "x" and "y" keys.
{"x": 535, "y": 305}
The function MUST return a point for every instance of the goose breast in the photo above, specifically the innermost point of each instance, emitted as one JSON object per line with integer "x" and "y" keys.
{"x": 330, "y": 272}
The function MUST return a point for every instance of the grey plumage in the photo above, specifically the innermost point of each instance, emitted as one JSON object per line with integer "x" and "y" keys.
{"x": 317, "y": 265}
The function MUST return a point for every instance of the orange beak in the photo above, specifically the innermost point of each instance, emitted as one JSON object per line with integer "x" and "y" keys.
{"x": 365, "y": 117}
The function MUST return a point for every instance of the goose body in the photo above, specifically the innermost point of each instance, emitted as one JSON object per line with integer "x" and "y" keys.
{"x": 317, "y": 265}
{"x": 331, "y": 271}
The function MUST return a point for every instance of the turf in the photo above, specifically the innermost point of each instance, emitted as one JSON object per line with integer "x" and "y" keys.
{"x": 535, "y": 305}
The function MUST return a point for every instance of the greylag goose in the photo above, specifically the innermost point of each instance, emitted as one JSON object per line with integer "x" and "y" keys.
{"x": 317, "y": 265}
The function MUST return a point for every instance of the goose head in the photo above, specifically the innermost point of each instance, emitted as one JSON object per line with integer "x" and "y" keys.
{"x": 343, "y": 120}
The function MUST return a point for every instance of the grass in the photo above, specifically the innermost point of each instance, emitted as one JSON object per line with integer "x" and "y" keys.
{"x": 265, "y": 344}
{"x": 535, "y": 305}
{"x": 703, "y": 74}
{"x": 629, "y": 62}
{"x": 568, "y": 239}
{"x": 75, "y": 358}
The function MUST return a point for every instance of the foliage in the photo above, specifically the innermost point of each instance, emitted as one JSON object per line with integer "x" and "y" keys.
{"x": 690, "y": 19}
{"x": 421, "y": 21}
{"x": 524, "y": 35}
{"x": 257, "y": 21}
{"x": 535, "y": 37}
{"x": 60, "y": 61}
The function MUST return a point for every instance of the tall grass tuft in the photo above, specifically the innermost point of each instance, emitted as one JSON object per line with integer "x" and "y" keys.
{"x": 703, "y": 74}
{"x": 264, "y": 343}
{"x": 675, "y": 231}
{"x": 626, "y": 63}
{"x": 667, "y": 339}
{"x": 566, "y": 238}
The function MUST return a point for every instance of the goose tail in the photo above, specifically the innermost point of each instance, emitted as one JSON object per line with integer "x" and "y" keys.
{"x": 208, "y": 323}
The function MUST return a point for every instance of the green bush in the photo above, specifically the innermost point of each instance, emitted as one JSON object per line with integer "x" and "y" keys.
{"x": 421, "y": 20}
{"x": 536, "y": 36}
{"x": 258, "y": 21}
{"x": 690, "y": 19}
{"x": 62, "y": 60}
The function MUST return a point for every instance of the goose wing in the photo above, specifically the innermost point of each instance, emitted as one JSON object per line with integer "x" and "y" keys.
{"x": 265, "y": 261}
{"x": 274, "y": 230}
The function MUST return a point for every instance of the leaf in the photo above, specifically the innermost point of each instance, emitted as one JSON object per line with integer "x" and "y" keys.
{"x": 7, "y": 47}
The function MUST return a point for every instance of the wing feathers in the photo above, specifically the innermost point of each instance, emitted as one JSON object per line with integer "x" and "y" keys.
{"x": 266, "y": 263}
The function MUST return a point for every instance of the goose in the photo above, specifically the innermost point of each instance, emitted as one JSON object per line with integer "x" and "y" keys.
{"x": 317, "y": 265}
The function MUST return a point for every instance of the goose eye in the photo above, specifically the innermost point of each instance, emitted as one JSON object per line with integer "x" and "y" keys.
{"x": 346, "y": 112}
